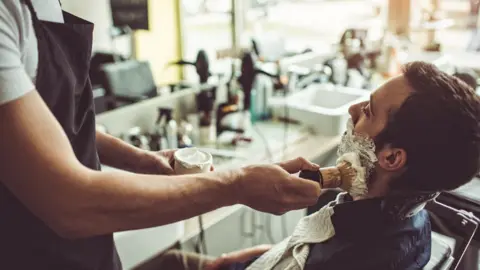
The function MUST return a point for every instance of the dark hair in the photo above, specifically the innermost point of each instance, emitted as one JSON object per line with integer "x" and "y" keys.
{"x": 438, "y": 126}
{"x": 468, "y": 76}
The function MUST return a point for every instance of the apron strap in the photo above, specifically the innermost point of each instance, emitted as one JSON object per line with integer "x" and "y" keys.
{"x": 32, "y": 10}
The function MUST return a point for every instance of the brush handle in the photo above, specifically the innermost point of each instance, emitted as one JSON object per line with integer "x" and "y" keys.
{"x": 315, "y": 176}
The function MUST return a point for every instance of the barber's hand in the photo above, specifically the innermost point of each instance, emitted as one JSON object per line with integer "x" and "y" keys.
{"x": 272, "y": 188}
{"x": 237, "y": 257}
{"x": 160, "y": 162}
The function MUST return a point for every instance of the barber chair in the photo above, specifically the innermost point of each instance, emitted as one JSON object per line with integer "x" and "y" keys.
{"x": 98, "y": 60}
{"x": 128, "y": 82}
{"x": 456, "y": 229}
{"x": 468, "y": 76}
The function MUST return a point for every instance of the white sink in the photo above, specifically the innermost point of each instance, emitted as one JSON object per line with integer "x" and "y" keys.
{"x": 322, "y": 107}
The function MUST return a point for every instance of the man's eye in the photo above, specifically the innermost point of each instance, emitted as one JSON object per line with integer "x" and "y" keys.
{"x": 366, "y": 111}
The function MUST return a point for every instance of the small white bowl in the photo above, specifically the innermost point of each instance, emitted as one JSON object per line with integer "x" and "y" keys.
{"x": 185, "y": 166}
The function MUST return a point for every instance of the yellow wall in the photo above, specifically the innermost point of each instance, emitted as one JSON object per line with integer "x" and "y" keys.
{"x": 162, "y": 43}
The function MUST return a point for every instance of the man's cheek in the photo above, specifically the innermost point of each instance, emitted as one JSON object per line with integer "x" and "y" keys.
{"x": 361, "y": 126}
{"x": 364, "y": 132}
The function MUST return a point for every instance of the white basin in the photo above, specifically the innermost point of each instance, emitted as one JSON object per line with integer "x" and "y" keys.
{"x": 322, "y": 107}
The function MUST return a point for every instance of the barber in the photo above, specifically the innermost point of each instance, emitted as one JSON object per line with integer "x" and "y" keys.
{"x": 57, "y": 209}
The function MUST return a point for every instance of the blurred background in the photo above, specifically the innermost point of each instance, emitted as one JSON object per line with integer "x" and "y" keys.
{"x": 254, "y": 81}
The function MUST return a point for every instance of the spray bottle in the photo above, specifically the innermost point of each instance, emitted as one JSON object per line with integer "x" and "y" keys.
{"x": 171, "y": 129}
{"x": 166, "y": 129}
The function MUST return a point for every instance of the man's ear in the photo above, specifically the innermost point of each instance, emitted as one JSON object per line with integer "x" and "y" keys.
{"x": 392, "y": 159}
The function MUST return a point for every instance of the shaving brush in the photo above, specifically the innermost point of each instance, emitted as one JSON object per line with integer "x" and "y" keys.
{"x": 340, "y": 176}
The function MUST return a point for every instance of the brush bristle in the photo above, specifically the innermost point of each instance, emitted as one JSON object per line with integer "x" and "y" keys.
{"x": 348, "y": 174}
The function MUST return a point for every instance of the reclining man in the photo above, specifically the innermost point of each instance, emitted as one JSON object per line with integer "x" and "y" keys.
{"x": 418, "y": 135}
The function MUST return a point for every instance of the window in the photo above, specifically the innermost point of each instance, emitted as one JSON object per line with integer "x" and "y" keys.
{"x": 455, "y": 21}
{"x": 207, "y": 25}
{"x": 303, "y": 24}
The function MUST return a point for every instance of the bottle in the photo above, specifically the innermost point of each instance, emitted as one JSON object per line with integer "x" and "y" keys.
{"x": 136, "y": 138}
{"x": 194, "y": 120}
{"x": 339, "y": 68}
{"x": 262, "y": 88}
{"x": 159, "y": 132}
{"x": 184, "y": 135}
{"x": 252, "y": 111}
{"x": 171, "y": 129}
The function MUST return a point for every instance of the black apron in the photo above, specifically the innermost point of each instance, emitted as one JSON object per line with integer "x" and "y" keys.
{"x": 63, "y": 83}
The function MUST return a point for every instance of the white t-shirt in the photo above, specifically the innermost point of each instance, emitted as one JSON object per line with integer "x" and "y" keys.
{"x": 18, "y": 45}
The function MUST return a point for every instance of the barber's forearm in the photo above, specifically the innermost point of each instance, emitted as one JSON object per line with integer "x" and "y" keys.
{"x": 118, "y": 201}
{"x": 40, "y": 169}
{"x": 116, "y": 153}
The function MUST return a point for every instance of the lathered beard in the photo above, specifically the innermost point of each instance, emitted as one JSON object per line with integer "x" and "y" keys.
{"x": 360, "y": 152}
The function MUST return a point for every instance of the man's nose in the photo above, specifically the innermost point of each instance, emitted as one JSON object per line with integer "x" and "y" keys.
{"x": 353, "y": 111}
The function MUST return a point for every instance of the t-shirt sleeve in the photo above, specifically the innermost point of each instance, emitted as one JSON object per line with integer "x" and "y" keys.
{"x": 14, "y": 31}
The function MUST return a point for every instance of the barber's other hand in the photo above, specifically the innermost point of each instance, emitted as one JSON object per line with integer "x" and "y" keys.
{"x": 160, "y": 162}
{"x": 237, "y": 257}
{"x": 272, "y": 188}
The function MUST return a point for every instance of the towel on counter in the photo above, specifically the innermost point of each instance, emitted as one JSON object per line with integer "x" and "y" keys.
{"x": 292, "y": 252}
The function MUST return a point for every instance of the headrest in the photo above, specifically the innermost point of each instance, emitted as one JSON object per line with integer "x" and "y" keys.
{"x": 129, "y": 78}
{"x": 404, "y": 205}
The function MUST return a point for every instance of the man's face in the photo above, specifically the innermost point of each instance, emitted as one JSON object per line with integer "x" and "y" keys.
{"x": 369, "y": 118}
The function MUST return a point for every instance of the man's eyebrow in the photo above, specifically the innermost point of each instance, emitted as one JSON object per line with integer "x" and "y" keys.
{"x": 371, "y": 105}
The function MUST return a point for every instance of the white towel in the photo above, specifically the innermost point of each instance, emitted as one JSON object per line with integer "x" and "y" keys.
{"x": 292, "y": 252}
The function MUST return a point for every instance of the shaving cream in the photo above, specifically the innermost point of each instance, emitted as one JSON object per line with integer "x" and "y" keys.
{"x": 192, "y": 160}
{"x": 359, "y": 151}
{"x": 359, "y": 184}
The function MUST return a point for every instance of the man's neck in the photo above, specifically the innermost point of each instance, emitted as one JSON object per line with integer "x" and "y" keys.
{"x": 374, "y": 191}
{"x": 378, "y": 185}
